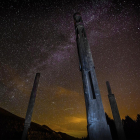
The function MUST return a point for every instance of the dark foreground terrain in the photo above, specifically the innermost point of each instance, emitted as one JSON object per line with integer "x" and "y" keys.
{"x": 11, "y": 128}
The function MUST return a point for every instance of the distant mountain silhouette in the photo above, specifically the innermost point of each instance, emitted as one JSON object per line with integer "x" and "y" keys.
{"x": 11, "y": 128}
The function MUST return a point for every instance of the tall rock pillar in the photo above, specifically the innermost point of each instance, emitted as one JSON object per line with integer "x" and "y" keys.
{"x": 97, "y": 126}
{"x": 30, "y": 107}
{"x": 116, "y": 115}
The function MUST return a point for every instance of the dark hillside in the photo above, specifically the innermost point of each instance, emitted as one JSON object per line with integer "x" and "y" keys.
{"x": 11, "y": 127}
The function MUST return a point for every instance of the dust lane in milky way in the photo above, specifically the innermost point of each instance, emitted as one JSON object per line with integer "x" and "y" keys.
{"x": 40, "y": 37}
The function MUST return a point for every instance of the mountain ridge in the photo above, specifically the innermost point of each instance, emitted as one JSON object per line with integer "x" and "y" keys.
{"x": 12, "y": 127}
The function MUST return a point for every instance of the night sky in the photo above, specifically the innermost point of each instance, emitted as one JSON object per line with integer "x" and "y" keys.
{"x": 39, "y": 36}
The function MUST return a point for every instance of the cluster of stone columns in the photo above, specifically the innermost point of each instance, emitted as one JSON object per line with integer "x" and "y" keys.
{"x": 96, "y": 121}
{"x": 113, "y": 104}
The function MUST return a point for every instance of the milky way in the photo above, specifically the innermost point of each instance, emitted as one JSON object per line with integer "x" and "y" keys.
{"x": 40, "y": 37}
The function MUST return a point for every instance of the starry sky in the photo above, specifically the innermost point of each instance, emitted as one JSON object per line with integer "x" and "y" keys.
{"x": 39, "y": 37}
